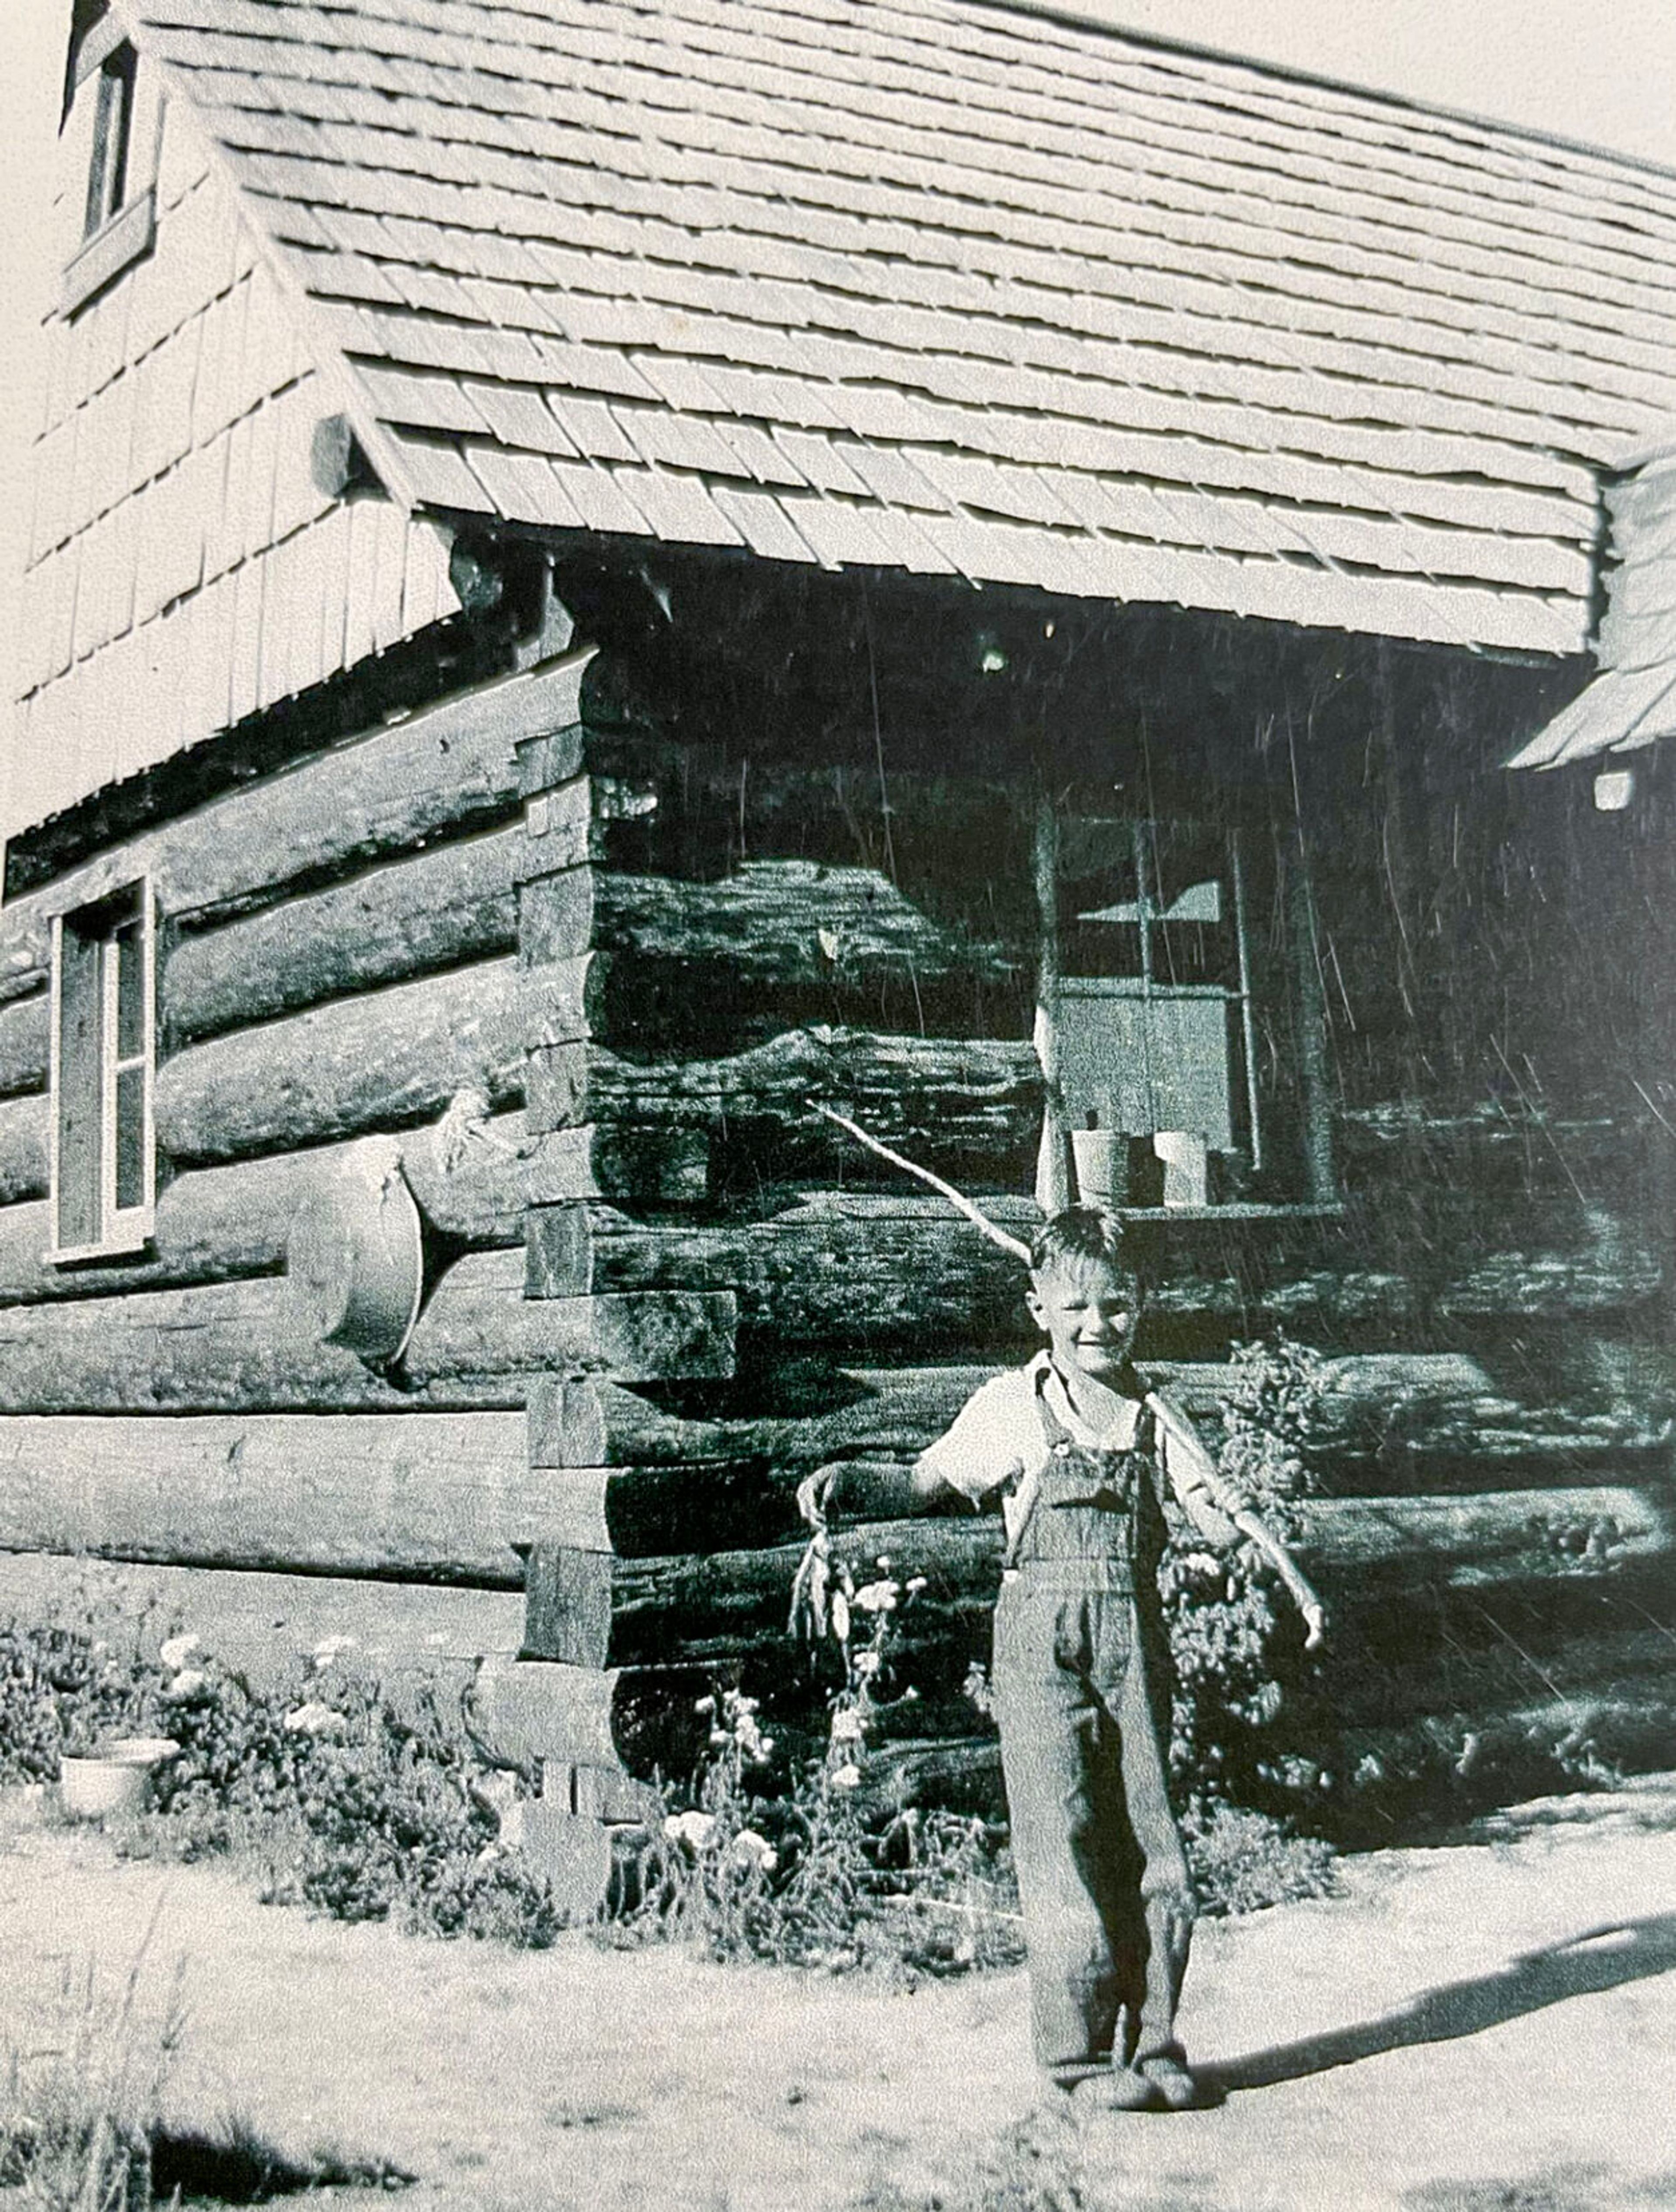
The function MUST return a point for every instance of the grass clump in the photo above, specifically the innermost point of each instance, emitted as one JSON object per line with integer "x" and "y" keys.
{"x": 79, "y": 2096}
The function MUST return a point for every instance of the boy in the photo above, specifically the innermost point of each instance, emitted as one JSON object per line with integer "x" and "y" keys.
{"x": 1075, "y": 1446}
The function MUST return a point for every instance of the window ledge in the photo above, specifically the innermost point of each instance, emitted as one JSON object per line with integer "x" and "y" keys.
{"x": 1239, "y": 1210}
{"x": 128, "y": 1240}
{"x": 124, "y": 239}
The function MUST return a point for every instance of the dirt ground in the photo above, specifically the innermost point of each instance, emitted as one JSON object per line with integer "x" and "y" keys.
{"x": 1485, "y": 2028}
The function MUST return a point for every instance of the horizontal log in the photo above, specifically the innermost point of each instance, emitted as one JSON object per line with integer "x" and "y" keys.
{"x": 939, "y": 1097}
{"x": 701, "y": 1606}
{"x": 788, "y": 921}
{"x": 261, "y": 1626}
{"x": 1406, "y": 1415}
{"x": 640, "y": 1720}
{"x": 840, "y": 1268}
{"x": 439, "y": 907}
{"x": 379, "y": 1058}
{"x": 24, "y": 1034}
{"x": 248, "y": 1346}
{"x": 420, "y": 1495}
{"x": 24, "y": 1155}
{"x": 214, "y": 1224}
{"x": 388, "y": 790}
{"x": 486, "y": 1324}
{"x": 1363, "y": 1763}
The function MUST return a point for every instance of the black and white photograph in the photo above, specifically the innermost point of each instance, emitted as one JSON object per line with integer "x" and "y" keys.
{"x": 837, "y": 1106}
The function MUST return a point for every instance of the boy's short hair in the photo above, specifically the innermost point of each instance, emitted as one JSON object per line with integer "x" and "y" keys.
{"x": 1084, "y": 1236}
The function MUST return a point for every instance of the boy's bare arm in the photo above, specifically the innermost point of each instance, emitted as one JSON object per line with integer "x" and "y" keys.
{"x": 868, "y": 1490}
{"x": 1200, "y": 1493}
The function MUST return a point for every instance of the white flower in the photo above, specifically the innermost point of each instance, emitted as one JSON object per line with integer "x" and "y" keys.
{"x": 846, "y": 1777}
{"x": 176, "y": 1652}
{"x": 915, "y": 1584}
{"x": 848, "y": 1726}
{"x": 693, "y": 1829}
{"x": 316, "y": 1720}
{"x": 878, "y": 1597}
{"x": 840, "y": 1616}
{"x": 752, "y": 1850}
{"x": 330, "y": 1648}
{"x": 192, "y": 1683}
{"x": 867, "y": 1665}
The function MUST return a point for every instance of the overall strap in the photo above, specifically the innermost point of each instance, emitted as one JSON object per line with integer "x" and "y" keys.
{"x": 1030, "y": 1490}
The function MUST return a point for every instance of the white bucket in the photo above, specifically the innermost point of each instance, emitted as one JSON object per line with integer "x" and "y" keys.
{"x": 1101, "y": 1158}
{"x": 1186, "y": 1167}
{"x": 114, "y": 1781}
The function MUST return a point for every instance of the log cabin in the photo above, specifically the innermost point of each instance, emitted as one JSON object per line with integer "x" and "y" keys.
{"x": 602, "y": 578}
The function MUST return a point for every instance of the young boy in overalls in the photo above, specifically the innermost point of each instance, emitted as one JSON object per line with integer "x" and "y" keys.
{"x": 1076, "y": 1448}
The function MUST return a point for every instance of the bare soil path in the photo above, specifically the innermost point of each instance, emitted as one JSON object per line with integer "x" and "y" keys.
{"x": 1486, "y": 2028}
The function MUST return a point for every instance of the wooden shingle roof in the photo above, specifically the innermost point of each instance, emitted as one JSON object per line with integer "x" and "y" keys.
{"x": 943, "y": 287}
{"x": 1632, "y": 702}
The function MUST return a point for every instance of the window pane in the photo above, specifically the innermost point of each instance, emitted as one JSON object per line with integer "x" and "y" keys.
{"x": 130, "y": 991}
{"x": 80, "y": 1096}
{"x": 131, "y": 1138}
{"x": 107, "y": 174}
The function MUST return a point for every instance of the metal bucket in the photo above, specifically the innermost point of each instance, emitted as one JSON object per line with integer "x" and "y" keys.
{"x": 355, "y": 1254}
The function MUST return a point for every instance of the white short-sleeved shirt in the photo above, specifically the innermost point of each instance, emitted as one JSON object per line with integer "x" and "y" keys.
{"x": 997, "y": 1442}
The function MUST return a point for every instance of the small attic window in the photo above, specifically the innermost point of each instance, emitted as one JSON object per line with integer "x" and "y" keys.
{"x": 102, "y": 128}
{"x": 112, "y": 126}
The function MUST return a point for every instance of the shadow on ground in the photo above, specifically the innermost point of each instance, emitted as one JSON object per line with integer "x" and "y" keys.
{"x": 1599, "y": 1959}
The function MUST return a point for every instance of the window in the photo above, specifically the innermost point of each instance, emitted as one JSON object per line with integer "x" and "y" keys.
{"x": 112, "y": 126}
{"x": 110, "y": 130}
{"x": 103, "y": 1024}
{"x": 1185, "y": 1066}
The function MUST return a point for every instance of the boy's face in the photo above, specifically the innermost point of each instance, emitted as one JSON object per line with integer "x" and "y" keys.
{"x": 1089, "y": 1310}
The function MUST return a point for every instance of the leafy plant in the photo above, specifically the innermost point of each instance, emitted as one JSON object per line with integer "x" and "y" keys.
{"x": 1235, "y": 1647}
{"x": 67, "y": 1687}
{"x": 346, "y": 1801}
{"x": 814, "y": 1875}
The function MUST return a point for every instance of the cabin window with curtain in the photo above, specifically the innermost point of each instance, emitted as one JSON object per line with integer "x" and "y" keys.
{"x": 110, "y": 136}
{"x": 104, "y": 1184}
{"x": 1188, "y": 1053}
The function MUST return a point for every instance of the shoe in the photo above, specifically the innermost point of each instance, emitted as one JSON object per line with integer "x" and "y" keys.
{"x": 1116, "y": 2089}
{"x": 1176, "y": 2089}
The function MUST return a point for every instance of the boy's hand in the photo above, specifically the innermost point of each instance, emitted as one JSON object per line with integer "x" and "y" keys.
{"x": 814, "y": 1493}
{"x": 1315, "y": 1624}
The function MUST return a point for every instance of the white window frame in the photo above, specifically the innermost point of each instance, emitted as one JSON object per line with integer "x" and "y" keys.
{"x": 129, "y": 226}
{"x": 119, "y": 1229}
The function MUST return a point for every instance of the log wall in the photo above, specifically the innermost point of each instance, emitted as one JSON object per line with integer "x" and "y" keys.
{"x": 594, "y": 980}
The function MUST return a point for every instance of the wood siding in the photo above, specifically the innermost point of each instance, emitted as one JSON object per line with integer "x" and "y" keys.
{"x": 184, "y": 569}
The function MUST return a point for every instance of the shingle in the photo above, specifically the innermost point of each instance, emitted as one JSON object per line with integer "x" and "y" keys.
{"x": 762, "y": 522}
{"x": 678, "y": 441}
{"x": 438, "y": 475}
{"x": 678, "y": 508}
{"x": 592, "y": 427}
{"x": 820, "y": 462}
{"x": 759, "y": 455}
{"x": 522, "y": 486}
{"x": 519, "y": 416}
{"x": 842, "y": 535}
{"x": 426, "y": 401}
{"x": 601, "y": 501}
{"x": 893, "y": 480}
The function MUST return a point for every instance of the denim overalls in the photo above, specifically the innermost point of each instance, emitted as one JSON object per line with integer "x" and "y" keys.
{"x": 1081, "y": 1696}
